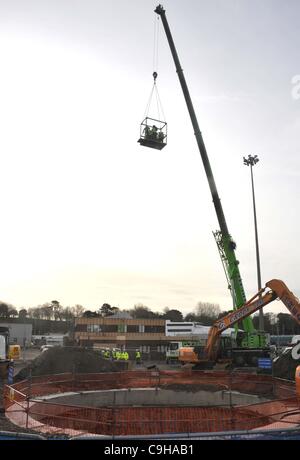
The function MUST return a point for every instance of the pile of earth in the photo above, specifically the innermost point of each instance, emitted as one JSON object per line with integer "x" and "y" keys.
{"x": 59, "y": 360}
{"x": 284, "y": 366}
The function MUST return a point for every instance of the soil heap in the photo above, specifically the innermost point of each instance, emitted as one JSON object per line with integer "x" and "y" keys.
{"x": 284, "y": 366}
{"x": 58, "y": 360}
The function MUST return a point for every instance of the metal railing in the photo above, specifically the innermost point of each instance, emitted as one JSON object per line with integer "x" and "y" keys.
{"x": 25, "y": 405}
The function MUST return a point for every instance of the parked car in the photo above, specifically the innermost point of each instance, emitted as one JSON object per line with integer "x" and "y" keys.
{"x": 46, "y": 347}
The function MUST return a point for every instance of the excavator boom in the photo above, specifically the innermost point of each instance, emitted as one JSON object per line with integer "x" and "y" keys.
{"x": 278, "y": 290}
{"x": 287, "y": 297}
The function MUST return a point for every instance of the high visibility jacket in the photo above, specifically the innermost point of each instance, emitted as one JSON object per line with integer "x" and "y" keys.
{"x": 137, "y": 354}
{"x": 126, "y": 356}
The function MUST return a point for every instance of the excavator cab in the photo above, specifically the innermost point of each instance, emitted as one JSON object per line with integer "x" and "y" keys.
{"x": 153, "y": 133}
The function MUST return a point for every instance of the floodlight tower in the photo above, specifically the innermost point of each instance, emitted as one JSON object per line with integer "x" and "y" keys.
{"x": 251, "y": 161}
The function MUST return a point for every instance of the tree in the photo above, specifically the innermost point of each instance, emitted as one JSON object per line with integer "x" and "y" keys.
{"x": 46, "y": 311}
{"x": 287, "y": 325}
{"x": 12, "y": 312}
{"x": 90, "y": 314}
{"x": 57, "y": 309}
{"x": 140, "y": 311}
{"x": 35, "y": 312}
{"x": 3, "y": 310}
{"x": 22, "y": 314}
{"x": 205, "y": 313}
{"x": 107, "y": 310}
{"x": 190, "y": 317}
{"x": 78, "y": 310}
{"x": 270, "y": 321}
{"x": 172, "y": 315}
{"x": 67, "y": 313}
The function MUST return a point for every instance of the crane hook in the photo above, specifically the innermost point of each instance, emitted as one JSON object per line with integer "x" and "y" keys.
{"x": 154, "y": 76}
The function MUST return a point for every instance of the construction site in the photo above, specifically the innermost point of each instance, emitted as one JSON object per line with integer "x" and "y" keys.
{"x": 226, "y": 381}
{"x": 68, "y": 393}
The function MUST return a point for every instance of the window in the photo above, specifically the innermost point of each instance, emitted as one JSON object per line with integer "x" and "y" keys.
{"x": 179, "y": 330}
{"x": 81, "y": 328}
{"x": 155, "y": 329}
{"x": 161, "y": 348}
{"x": 133, "y": 328}
{"x": 109, "y": 328}
{"x": 93, "y": 328}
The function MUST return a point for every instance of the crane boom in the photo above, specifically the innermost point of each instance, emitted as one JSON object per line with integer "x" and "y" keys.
{"x": 226, "y": 243}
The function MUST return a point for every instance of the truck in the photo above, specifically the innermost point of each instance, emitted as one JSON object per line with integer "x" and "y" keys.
{"x": 172, "y": 353}
{"x": 198, "y": 340}
{"x": 215, "y": 351}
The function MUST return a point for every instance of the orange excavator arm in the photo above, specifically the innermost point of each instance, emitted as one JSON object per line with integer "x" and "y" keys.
{"x": 278, "y": 289}
{"x": 287, "y": 297}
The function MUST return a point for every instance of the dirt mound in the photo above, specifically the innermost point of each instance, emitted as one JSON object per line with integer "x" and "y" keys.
{"x": 58, "y": 360}
{"x": 284, "y": 366}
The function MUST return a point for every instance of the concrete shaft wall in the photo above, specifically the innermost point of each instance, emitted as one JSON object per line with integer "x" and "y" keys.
{"x": 154, "y": 397}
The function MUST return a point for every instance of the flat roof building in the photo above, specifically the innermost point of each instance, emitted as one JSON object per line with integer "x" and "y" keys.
{"x": 121, "y": 332}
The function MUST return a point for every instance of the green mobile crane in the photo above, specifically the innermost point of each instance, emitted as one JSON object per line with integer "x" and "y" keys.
{"x": 251, "y": 338}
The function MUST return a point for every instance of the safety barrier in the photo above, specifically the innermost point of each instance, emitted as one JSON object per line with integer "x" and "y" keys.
{"x": 25, "y": 405}
{"x": 12, "y": 436}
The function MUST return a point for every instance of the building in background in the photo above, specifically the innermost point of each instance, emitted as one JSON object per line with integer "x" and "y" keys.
{"x": 148, "y": 335}
{"x": 183, "y": 328}
{"x": 111, "y": 331}
{"x": 190, "y": 329}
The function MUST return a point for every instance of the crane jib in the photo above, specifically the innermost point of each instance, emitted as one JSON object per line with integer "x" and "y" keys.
{"x": 233, "y": 270}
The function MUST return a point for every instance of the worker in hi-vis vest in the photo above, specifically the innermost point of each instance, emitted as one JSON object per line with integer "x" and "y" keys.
{"x": 137, "y": 356}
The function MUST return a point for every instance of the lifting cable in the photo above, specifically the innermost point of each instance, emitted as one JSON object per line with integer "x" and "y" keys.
{"x": 154, "y": 89}
{"x": 155, "y": 43}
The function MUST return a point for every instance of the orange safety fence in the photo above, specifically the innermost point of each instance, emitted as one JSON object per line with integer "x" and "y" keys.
{"x": 24, "y": 404}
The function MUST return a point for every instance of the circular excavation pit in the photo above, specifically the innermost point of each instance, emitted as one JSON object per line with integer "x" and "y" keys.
{"x": 151, "y": 402}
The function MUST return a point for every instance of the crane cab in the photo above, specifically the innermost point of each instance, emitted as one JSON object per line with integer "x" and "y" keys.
{"x": 153, "y": 133}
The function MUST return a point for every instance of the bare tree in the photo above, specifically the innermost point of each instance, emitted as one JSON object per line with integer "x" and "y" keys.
{"x": 46, "y": 311}
{"x": 205, "y": 313}
{"x": 67, "y": 313}
{"x": 78, "y": 310}
{"x": 212, "y": 310}
{"x": 35, "y": 312}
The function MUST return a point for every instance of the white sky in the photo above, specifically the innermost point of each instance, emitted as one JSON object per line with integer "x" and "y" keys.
{"x": 88, "y": 215}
